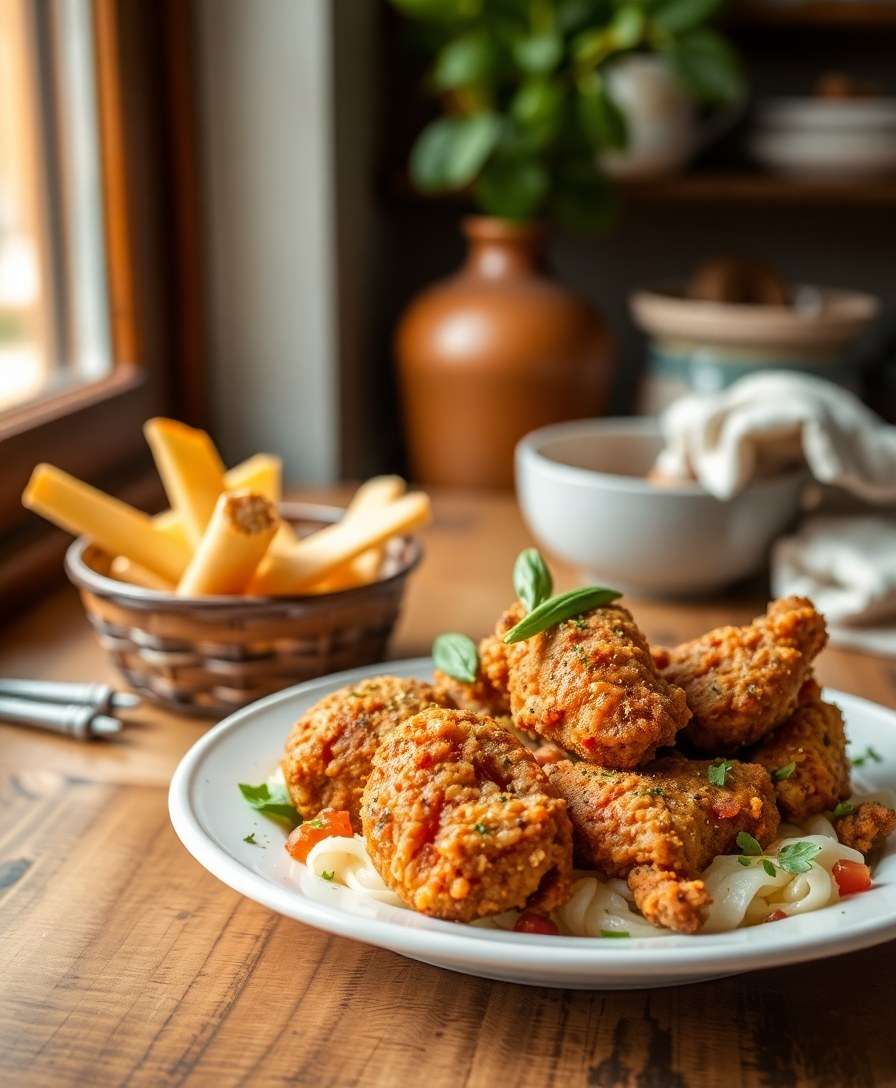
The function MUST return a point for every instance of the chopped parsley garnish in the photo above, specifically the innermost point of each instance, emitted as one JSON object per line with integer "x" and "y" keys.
{"x": 845, "y": 808}
{"x": 869, "y": 753}
{"x": 652, "y": 791}
{"x": 328, "y": 874}
{"x": 483, "y": 829}
{"x": 318, "y": 824}
{"x": 718, "y": 772}
{"x": 784, "y": 772}
{"x": 797, "y": 857}
{"x": 272, "y": 802}
{"x": 615, "y": 933}
{"x": 250, "y": 839}
{"x": 748, "y": 844}
{"x": 768, "y": 866}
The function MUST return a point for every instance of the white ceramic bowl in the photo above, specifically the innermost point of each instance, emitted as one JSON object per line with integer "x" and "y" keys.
{"x": 583, "y": 492}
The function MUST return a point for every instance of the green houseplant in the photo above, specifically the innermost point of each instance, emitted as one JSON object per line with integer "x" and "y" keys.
{"x": 526, "y": 107}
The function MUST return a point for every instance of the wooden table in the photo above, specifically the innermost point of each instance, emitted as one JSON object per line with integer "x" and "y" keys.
{"x": 123, "y": 962}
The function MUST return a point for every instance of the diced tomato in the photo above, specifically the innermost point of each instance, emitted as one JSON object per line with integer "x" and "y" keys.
{"x": 725, "y": 808}
{"x": 776, "y": 916}
{"x": 329, "y": 821}
{"x": 851, "y": 877}
{"x": 532, "y": 922}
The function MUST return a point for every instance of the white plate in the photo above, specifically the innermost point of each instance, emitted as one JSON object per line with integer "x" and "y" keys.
{"x": 211, "y": 820}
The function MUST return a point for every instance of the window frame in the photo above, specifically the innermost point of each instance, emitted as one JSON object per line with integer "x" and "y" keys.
{"x": 145, "y": 107}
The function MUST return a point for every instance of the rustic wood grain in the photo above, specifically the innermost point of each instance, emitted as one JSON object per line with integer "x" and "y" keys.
{"x": 123, "y": 962}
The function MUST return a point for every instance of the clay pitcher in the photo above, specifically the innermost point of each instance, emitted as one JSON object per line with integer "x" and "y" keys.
{"x": 493, "y": 352}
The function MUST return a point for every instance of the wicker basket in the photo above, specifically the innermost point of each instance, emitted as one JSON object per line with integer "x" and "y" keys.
{"x": 211, "y": 655}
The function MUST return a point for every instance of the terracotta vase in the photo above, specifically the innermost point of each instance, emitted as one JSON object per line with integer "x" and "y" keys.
{"x": 493, "y": 352}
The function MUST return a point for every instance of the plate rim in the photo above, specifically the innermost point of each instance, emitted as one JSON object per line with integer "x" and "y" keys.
{"x": 723, "y": 953}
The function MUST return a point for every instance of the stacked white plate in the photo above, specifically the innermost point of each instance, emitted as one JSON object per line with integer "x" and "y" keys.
{"x": 826, "y": 139}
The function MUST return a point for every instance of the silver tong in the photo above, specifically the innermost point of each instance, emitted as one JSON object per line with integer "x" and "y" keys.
{"x": 77, "y": 710}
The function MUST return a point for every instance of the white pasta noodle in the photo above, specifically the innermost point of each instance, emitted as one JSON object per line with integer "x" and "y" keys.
{"x": 742, "y": 895}
{"x": 348, "y": 861}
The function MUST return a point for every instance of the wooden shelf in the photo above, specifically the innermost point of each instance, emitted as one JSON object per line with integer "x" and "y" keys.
{"x": 840, "y": 14}
{"x": 757, "y": 188}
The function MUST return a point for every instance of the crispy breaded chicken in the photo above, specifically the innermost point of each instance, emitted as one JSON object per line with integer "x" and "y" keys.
{"x": 662, "y": 825}
{"x": 808, "y": 752}
{"x": 741, "y": 682}
{"x": 461, "y": 822}
{"x": 329, "y": 750}
{"x": 867, "y": 827}
{"x": 488, "y": 694}
{"x": 589, "y": 685}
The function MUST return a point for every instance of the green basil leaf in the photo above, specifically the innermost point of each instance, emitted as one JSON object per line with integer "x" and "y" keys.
{"x": 741, "y": 860}
{"x": 562, "y": 607}
{"x": 845, "y": 808}
{"x": 451, "y": 151}
{"x": 274, "y": 803}
{"x": 784, "y": 772}
{"x": 797, "y": 857}
{"x": 768, "y": 866}
{"x": 748, "y": 844}
{"x": 532, "y": 578}
{"x": 717, "y": 773}
{"x": 456, "y": 655}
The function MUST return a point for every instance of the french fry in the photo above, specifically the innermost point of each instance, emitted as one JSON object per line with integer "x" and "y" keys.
{"x": 126, "y": 570}
{"x": 315, "y": 556}
{"x": 260, "y": 473}
{"x": 377, "y": 491}
{"x": 239, "y": 532}
{"x": 191, "y": 470}
{"x": 113, "y": 525}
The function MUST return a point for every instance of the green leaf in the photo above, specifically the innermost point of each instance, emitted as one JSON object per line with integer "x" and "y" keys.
{"x": 536, "y": 109}
{"x": 615, "y": 933}
{"x": 627, "y": 27}
{"x": 591, "y": 47}
{"x": 512, "y": 188}
{"x": 748, "y": 844}
{"x": 451, "y": 151}
{"x": 744, "y": 861}
{"x": 602, "y": 121}
{"x": 845, "y": 808}
{"x": 768, "y": 866}
{"x": 675, "y": 16}
{"x": 328, "y": 874}
{"x": 717, "y": 773}
{"x": 440, "y": 10}
{"x": 471, "y": 58}
{"x": 274, "y": 803}
{"x": 562, "y": 607}
{"x": 250, "y": 839}
{"x": 582, "y": 199}
{"x": 797, "y": 857}
{"x": 538, "y": 54}
{"x": 532, "y": 578}
{"x": 708, "y": 65}
{"x": 784, "y": 772}
{"x": 456, "y": 655}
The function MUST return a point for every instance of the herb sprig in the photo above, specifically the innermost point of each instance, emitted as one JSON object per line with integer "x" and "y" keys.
{"x": 784, "y": 772}
{"x": 274, "y": 803}
{"x": 561, "y": 607}
{"x": 717, "y": 773}
{"x": 844, "y": 808}
{"x": 532, "y": 578}
{"x": 456, "y": 655}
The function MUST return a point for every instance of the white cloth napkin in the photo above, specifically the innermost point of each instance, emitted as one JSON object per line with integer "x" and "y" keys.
{"x": 771, "y": 420}
{"x": 847, "y": 566}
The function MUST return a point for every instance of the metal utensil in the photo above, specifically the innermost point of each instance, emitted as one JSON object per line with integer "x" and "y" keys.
{"x": 103, "y": 697}
{"x": 72, "y": 719}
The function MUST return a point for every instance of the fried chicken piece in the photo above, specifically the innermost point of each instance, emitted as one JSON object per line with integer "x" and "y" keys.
{"x": 461, "y": 822}
{"x": 330, "y": 748}
{"x": 866, "y": 828}
{"x": 589, "y": 685}
{"x": 813, "y": 739}
{"x": 488, "y": 694}
{"x": 741, "y": 682}
{"x": 662, "y": 825}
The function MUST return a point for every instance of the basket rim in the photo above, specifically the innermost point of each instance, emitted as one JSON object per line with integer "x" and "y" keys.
{"x": 85, "y": 577}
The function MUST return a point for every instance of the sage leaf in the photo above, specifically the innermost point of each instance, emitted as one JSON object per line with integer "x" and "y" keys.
{"x": 531, "y": 578}
{"x": 562, "y": 607}
{"x": 456, "y": 655}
